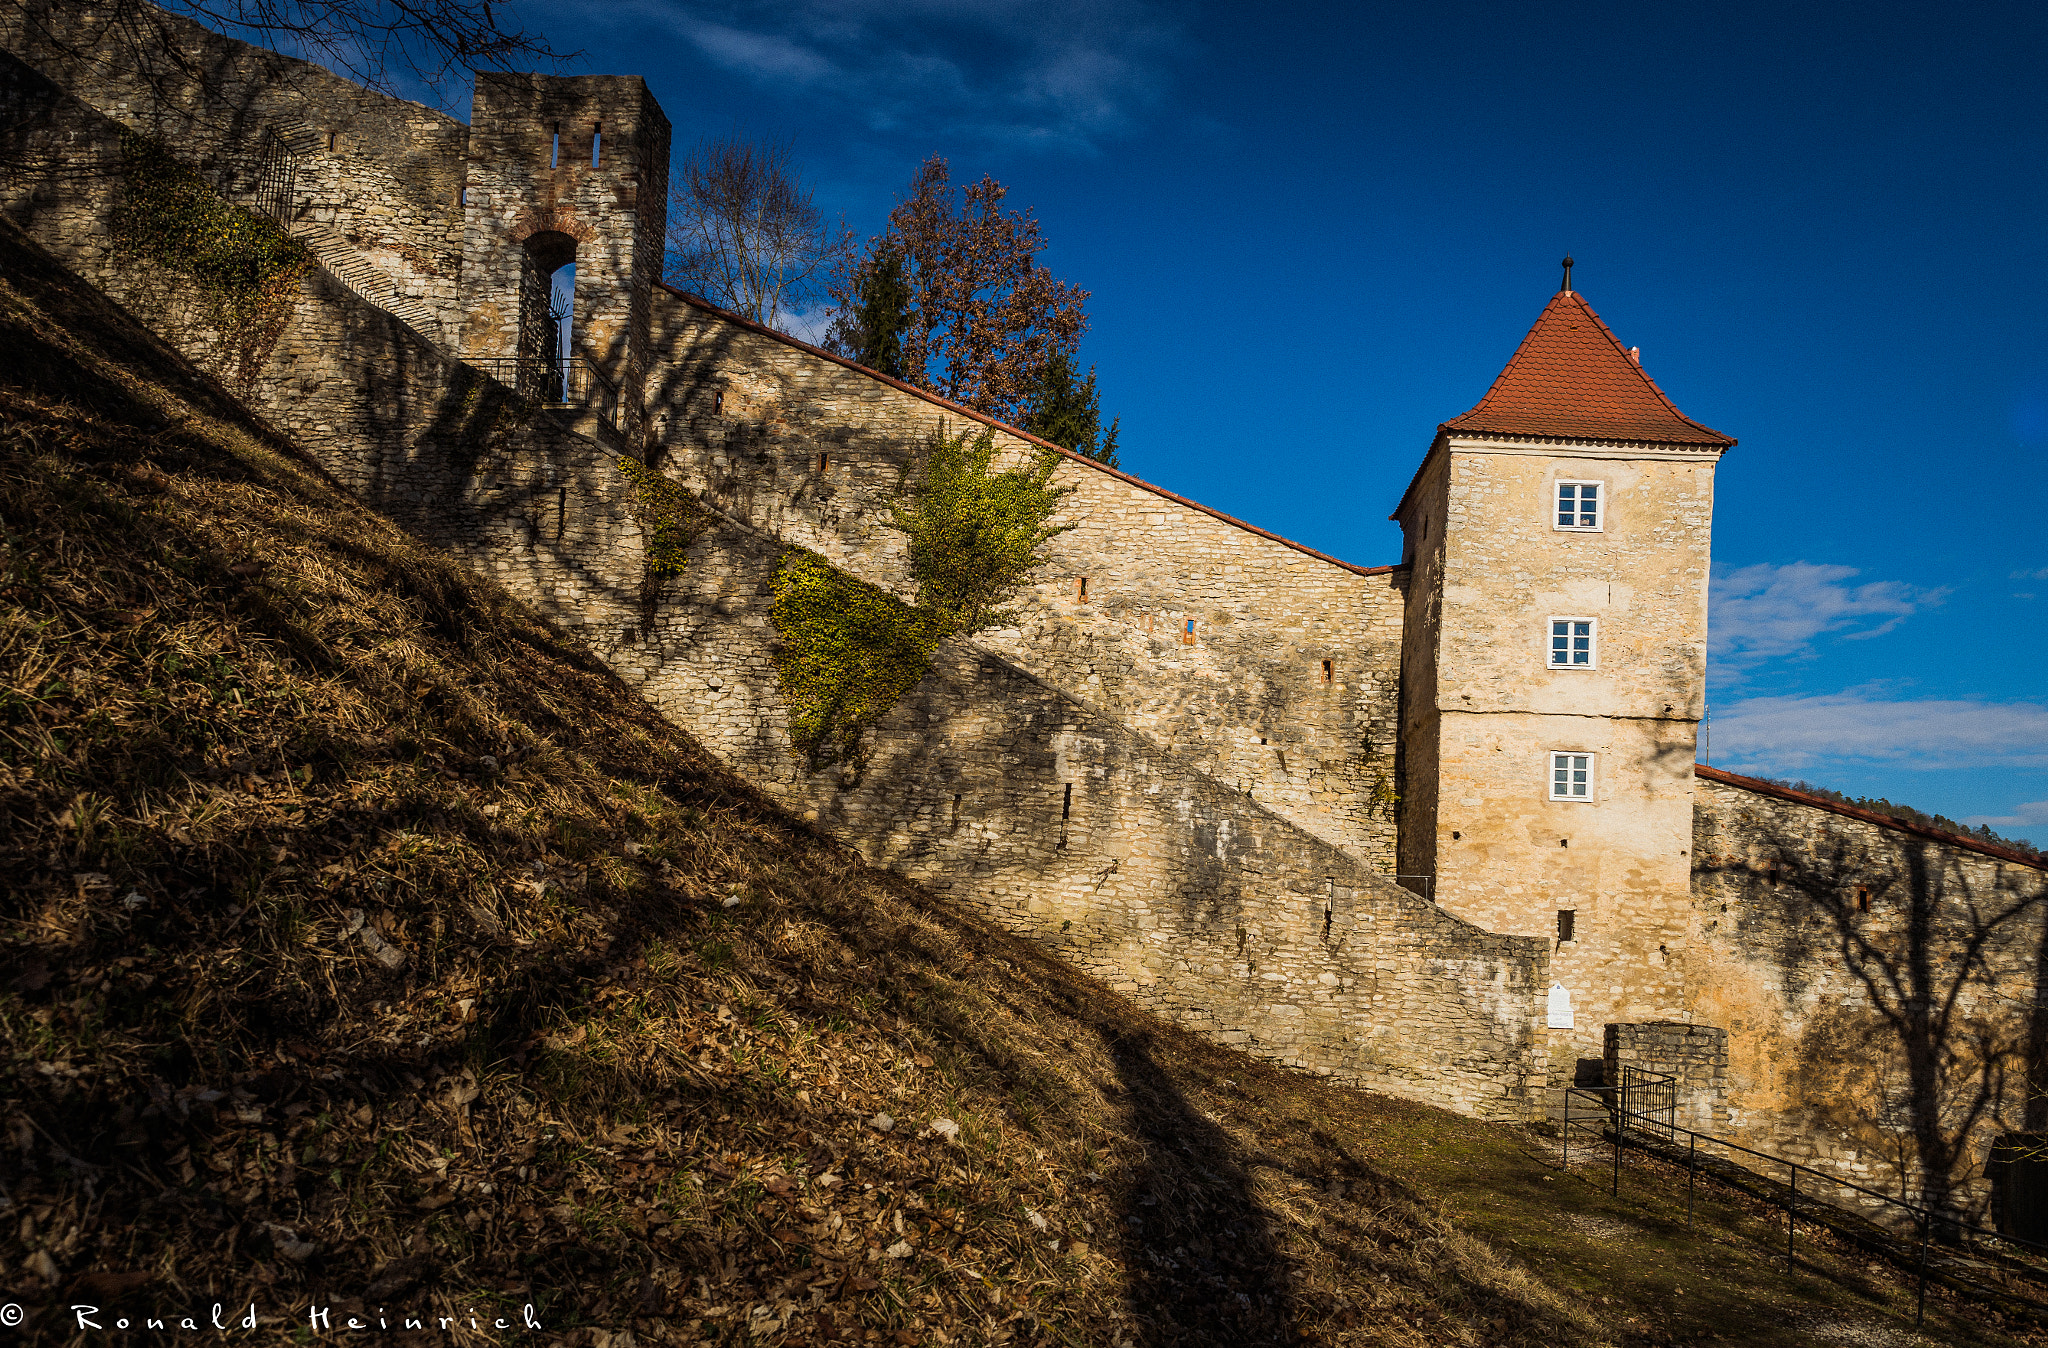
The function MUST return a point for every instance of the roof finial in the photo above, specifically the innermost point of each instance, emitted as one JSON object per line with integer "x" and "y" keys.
{"x": 1567, "y": 286}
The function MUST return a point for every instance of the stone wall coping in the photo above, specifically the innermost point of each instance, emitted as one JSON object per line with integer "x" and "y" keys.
{"x": 1786, "y": 793}
{"x": 699, "y": 302}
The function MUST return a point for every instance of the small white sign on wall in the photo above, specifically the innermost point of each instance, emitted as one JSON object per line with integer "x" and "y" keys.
{"x": 1560, "y": 1007}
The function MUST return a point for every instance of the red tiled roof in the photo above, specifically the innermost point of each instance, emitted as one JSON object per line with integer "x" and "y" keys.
{"x": 1570, "y": 379}
{"x": 1764, "y": 788}
{"x": 698, "y": 301}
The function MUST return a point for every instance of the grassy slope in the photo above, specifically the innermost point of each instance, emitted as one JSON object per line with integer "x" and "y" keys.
{"x": 259, "y": 748}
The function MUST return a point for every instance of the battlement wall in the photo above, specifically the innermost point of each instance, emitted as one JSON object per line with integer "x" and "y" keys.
{"x": 373, "y": 184}
{"x": 986, "y": 781}
{"x": 1268, "y": 668}
{"x": 1880, "y": 989}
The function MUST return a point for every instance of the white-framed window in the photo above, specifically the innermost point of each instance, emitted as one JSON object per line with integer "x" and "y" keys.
{"x": 1574, "y": 643}
{"x": 1580, "y": 505}
{"x": 1571, "y": 776}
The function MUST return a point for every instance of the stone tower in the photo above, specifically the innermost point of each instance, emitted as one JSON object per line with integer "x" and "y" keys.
{"x": 562, "y": 170}
{"x": 1554, "y": 670}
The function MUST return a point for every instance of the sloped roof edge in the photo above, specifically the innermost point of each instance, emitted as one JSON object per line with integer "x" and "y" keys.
{"x": 1786, "y": 793}
{"x": 698, "y": 301}
{"x": 1612, "y": 359}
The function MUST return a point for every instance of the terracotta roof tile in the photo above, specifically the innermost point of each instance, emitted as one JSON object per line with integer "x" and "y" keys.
{"x": 1570, "y": 379}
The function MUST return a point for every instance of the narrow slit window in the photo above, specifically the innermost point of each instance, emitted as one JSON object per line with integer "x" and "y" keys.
{"x": 1329, "y": 671}
{"x": 1862, "y": 899}
{"x": 1081, "y": 589}
{"x": 1067, "y": 803}
{"x": 1187, "y": 635}
{"x": 956, "y": 811}
{"x": 1572, "y": 643}
{"x": 1579, "y": 505}
{"x": 462, "y": 197}
{"x": 596, "y": 145}
{"x": 1567, "y": 924}
{"x": 718, "y": 403}
{"x": 1571, "y": 777}
{"x": 333, "y": 139}
{"x": 555, "y": 151}
{"x": 824, "y": 462}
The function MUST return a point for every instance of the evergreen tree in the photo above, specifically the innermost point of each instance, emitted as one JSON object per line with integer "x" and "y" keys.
{"x": 871, "y": 330}
{"x": 1067, "y": 411}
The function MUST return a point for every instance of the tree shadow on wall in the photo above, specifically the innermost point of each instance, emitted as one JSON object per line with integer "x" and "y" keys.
{"x": 1929, "y": 1025}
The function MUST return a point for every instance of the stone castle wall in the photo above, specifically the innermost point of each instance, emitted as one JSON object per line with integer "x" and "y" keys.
{"x": 376, "y": 182}
{"x": 1694, "y": 1056}
{"x": 1880, "y": 988}
{"x": 1268, "y": 668}
{"x": 1187, "y": 893}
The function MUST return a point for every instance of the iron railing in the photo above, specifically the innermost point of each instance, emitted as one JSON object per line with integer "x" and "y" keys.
{"x": 559, "y": 381}
{"x": 1642, "y": 1095}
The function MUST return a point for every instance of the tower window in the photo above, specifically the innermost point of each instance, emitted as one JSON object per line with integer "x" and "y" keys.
{"x": 1578, "y": 505}
{"x": 555, "y": 149}
{"x": 1567, "y": 924}
{"x": 1081, "y": 589}
{"x": 1571, "y": 643}
{"x": 1187, "y": 636}
{"x": 1862, "y": 899}
{"x": 596, "y": 144}
{"x": 1571, "y": 777}
{"x": 1329, "y": 671}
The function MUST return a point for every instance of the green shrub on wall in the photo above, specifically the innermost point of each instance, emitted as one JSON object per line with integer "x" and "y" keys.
{"x": 975, "y": 533}
{"x": 848, "y": 653}
{"x": 246, "y": 268}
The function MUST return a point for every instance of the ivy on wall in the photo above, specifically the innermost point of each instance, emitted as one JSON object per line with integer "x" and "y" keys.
{"x": 668, "y": 524}
{"x": 246, "y": 268}
{"x": 849, "y": 651}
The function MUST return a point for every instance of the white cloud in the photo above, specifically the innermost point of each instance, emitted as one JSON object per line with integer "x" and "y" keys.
{"x": 2033, "y": 814}
{"x": 1055, "y": 72}
{"x": 1792, "y": 734}
{"x": 1771, "y": 612}
{"x": 2042, "y": 574}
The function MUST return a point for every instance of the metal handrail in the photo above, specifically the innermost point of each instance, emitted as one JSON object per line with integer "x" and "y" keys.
{"x": 556, "y": 381}
{"x": 1613, "y": 1104}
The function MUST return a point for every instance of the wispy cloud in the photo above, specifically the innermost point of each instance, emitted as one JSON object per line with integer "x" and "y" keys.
{"x": 1794, "y": 734}
{"x": 2033, "y": 814}
{"x": 1772, "y": 612}
{"x": 1066, "y": 73}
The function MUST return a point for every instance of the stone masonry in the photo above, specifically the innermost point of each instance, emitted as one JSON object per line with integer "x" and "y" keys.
{"x": 1188, "y": 893}
{"x": 1297, "y": 803}
{"x": 1695, "y": 1056}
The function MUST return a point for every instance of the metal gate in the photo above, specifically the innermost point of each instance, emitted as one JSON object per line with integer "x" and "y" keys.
{"x": 276, "y": 179}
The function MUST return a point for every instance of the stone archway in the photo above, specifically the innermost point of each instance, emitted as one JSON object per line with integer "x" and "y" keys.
{"x": 544, "y": 254}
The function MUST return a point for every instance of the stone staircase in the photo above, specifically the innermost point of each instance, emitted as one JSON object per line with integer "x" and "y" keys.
{"x": 333, "y": 250}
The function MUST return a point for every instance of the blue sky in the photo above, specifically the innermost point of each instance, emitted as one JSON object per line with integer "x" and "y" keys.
{"x": 1313, "y": 233}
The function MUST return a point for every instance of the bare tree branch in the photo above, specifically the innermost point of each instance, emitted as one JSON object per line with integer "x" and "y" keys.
{"x": 380, "y": 44}
{"x": 744, "y": 233}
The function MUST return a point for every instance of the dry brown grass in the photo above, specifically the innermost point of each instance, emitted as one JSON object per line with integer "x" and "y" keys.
{"x": 367, "y": 945}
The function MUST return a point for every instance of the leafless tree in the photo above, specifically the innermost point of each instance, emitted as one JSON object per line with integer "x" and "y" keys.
{"x": 382, "y": 44}
{"x": 744, "y": 233}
